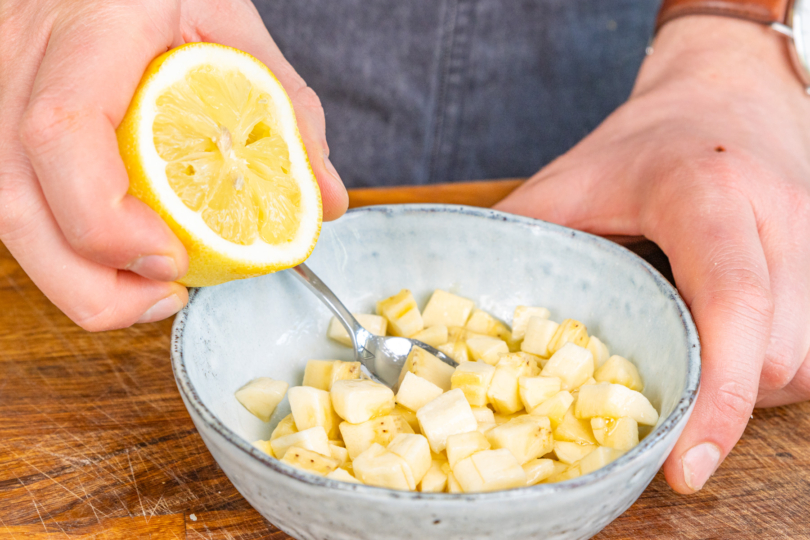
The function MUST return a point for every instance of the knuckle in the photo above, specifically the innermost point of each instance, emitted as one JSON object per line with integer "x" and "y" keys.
{"x": 734, "y": 401}
{"x": 308, "y": 99}
{"x": 89, "y": 239}
{"x": 44, "y": 123}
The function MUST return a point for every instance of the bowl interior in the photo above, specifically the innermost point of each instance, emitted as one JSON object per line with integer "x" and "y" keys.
{"x": 270, "y": 326}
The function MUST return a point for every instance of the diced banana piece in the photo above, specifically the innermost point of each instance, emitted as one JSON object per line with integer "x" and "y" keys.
{"x": 322, "y": 374}
{"x": 375, "y": 324}
{"x": 527, "y": 437}
{"x": 483, "y": 414}
{"x": 433, "y": 336}
{"x": 570, "y": 331}
{"x": 261, "y": 396}
{"x": 402, "y": 314}
{"x": 314, "y": 439}
{"x": 312, "y": 407}
{"x": 571, "y": 452}
{"x": 598, "y": 459}
{"x": 414, "y": 392}
{"x": 538, "y": 470}
{"x": 463, "y": 445}
{"x": 446, "y": 415}
{"x": 343, "y": 475}
{"x": 559, "y": 468}
{"x": 358, "y": 401}
{"x": 264, "y": 446}
{"x": 456, "y": 350}
{"x": 536, "y": 363}
{"x": 379, "y": 467}
{"x": 572, "y": 429}
{"x": 447, "y": 309}
{"x": 536, "y": 390}
{"x": 407, "y": 415}
{"x": 482, "y": 322}
{"x": 486, "y": 349}
{"x": 489, "y": 470}
{"x": 572, "y": 364}
{"x": 620, "y": 370}
{"x": 473, "y": 378}
{"x": 414, "y": 449}
{"x": 520, "y": 320}
{"x": 504, "y": 418}
{"x": 484, "y": 427}
{"x": 571, "y": 472}
{"x": 339, "y": 453}
{"x": 539, "y": 332}
{"x": 285, "y": 427}
{"x": 435, "y": 479}
{"x": 452, "y": 484}
{"x": 555, "y": 407}
{"x": 621, "y": 434}
{"x": 309, "y": 461}
{"x": 359, "y": 437}
{"x": 504, "y": 392}
{"x": 599, "y": 351}
{"x": 422, "y": 363}
{"x": 614, "y": 401}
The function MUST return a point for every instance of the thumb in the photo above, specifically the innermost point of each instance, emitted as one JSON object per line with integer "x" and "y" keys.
{"x": 242, "y": 28}
{"x": 582, "y": 189}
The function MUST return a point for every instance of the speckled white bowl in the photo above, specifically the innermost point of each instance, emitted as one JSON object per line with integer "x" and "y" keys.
{"x": 270, "y": 326}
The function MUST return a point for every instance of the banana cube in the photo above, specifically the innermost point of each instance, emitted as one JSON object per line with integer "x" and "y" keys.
{"x": 313, "y": 407}
{"x": 322, "y": 374}
{"x": 598, "y": 459}
{"x": 482, "y": 322}
{"x": 285, "y": 427}
{"x": 483, "y": 414}
{"x": 555, "y": 407}
{"x": 407, "y": 415}
{"x": 310, "y": 461}
{"x": 621, "y": 434}
{"x": 375, "y": 324}
{"x": 520, "y": 319}
{"x": 414, "y": 391}
{"x": 402, "y": 314}
{"x": 599, "y": 351}
{"x": 457, "y": 350}
{"x": 614, "y": 401}
{"x": 446, "y": 415}
{"x": 535, "y": 390}
{"x": 489, "y": 470}
{"x": 447, "y": 309}
{"x": 463, "y": 445}
{"x": 261, "y": 396}
{"x": 570, "y": 331}
{"x": 619, "y": 370}
{"x": 379, "y": 467}
{"x": 264, "y": 446}
{"x": 572, "y": 364}
{"x": 486, "y": 349}
{"x": 359, "y": 437}
{"x": 572, "y": 429}
{"x": 571, "y": 452}
{"x": 473, "y": 378}
{"x": 339, "y": 453}
{"x": 527, "y": 437}
{"x": 433, "y": 335}
{"x": 435, "y": 479}
{"x": 343, "y": 475}
{"x": 538, "y": 335}
{"x": 538, "y": 470}
{"x": 358, "y": 401}
{"x": 452, "y": 484}
{"x": 314, "y": 439}
{"x": 415, "y": 450}
{"x": 425, "y": 365}
{"x": 504, "y": 390}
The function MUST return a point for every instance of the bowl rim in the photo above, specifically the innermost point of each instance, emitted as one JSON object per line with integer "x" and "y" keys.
{"x": 680, "y": 412}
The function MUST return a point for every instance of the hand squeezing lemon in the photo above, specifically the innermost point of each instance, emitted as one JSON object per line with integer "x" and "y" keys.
{"x": 211, "y": 144}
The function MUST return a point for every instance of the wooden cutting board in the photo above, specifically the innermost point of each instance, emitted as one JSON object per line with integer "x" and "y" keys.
{"x": 95, "y": 442}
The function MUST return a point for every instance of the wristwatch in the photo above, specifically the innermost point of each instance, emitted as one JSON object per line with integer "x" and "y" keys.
{"x": 788, "y": 17}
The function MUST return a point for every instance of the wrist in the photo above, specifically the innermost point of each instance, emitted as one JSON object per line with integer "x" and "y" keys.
{"x": 718, "y": 51}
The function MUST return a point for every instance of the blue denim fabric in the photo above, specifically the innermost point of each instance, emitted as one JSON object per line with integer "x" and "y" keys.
{"x": 427, "y": 91}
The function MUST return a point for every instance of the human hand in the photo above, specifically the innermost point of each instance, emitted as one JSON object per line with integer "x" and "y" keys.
{"x": 68, "y": 71}
{"x": 710, "y": 159}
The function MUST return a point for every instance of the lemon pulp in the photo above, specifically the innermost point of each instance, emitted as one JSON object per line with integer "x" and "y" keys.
{"x": 226, "y": 159}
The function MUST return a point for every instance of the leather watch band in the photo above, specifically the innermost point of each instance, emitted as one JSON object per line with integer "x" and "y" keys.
{"x": 761, "y": 11}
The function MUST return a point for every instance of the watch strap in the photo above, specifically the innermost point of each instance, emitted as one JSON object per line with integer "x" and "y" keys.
{"x": 761, "y": 11}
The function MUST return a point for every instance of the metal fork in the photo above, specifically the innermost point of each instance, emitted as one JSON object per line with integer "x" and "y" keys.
{"x": 381, "y": 357}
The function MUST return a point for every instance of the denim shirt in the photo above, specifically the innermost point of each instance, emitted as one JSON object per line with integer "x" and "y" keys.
{"x": 428, "y": 91}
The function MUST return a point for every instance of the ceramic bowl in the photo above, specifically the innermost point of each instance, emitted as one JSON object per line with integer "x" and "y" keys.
{"x": 271, "y": 325}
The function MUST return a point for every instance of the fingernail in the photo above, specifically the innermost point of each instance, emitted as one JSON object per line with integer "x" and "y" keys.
{"x": 699, "y": 464}
{"x": 162, "y": 309}
{"x": 331, "y": 168}
{"x": 157, "y": 267}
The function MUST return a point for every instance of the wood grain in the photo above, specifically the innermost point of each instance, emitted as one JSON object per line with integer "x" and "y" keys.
{"x": 95, "y": 442}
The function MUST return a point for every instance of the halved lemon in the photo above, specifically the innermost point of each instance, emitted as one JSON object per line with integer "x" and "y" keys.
{"x": 210, "y": 143}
